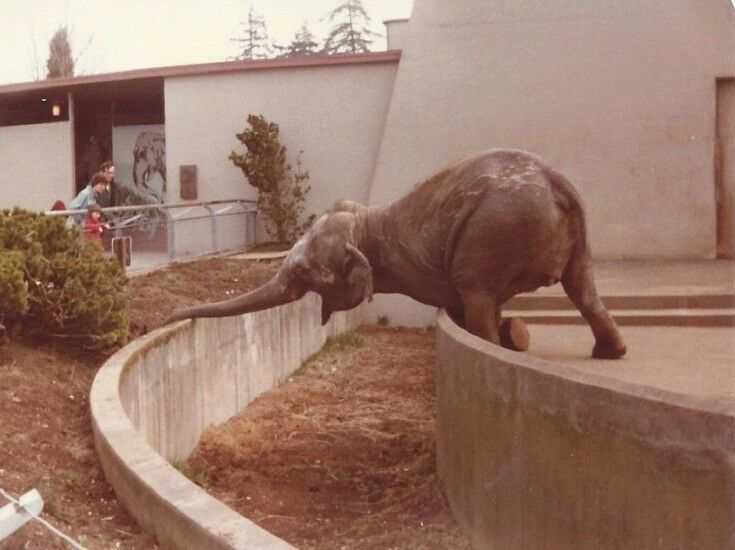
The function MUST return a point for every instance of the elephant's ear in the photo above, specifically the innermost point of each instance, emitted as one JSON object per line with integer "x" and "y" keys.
{"x": 360, "y": 272}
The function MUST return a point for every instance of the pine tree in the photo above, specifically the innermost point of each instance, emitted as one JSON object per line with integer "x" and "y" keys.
{"x": 350, "y": 32}
{"x": 302, "y": 44}
{"x": 60, "y": 62}
{"x": 255, "y": 40}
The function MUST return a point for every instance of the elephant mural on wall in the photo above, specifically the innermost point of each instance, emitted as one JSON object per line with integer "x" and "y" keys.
{"x": 149, "y": 158}
{"x": 467, "y": 240}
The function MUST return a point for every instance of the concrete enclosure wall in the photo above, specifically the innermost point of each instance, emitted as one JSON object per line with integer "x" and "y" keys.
{"x": 538, "y": 455}
{"x": 334, "y": 114}
{"x": 618, "y": 96}
{"x": 151, "y": 401}
{"x": 36, "y": 165}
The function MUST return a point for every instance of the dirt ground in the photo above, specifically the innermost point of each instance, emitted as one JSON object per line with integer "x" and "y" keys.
{"x": 361, "y": 413}
{"x": 342, "y": 455}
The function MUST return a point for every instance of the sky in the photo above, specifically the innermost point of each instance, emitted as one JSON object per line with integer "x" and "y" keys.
{"x": 118, "y": 35}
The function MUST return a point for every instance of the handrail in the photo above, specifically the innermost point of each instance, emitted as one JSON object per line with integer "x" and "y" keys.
{"x": 168, "y": 215}
{"x": 162, "y": 206}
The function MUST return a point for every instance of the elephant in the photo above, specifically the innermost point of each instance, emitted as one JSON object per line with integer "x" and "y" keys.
{"x": 467, "y": 239}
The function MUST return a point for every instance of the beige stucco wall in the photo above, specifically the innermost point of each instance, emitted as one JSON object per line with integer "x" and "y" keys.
{"x": 334, "y": 114}
{"x": 36, "y": 165}
{"x": 619, "y": 96}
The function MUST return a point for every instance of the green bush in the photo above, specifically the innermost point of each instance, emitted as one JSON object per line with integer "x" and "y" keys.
{"x": 13, "y": 286}
{"x": 53, "y": 283}
{"x": 282, "y": 187}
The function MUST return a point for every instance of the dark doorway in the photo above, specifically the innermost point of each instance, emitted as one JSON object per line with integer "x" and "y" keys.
{"x": 92, "y": 137}
{"x": 98, "y": 108}
{"x": 725, "y": 168}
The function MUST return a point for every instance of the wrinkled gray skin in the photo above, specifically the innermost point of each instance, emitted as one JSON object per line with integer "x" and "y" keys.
{"x": 467, "y": 240}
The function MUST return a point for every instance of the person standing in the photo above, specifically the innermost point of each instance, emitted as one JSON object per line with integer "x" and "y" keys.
{"x": 107, "y": 197}
{"x": 93, "y": 225}
{"x": 88, "y": 196}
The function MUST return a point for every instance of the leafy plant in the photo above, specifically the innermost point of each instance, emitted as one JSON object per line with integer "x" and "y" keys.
{"x": 282, "y": 187}
{"x": 53, "y": 283}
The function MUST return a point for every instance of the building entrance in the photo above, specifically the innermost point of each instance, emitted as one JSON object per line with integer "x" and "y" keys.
{"x": 725, "y": 168}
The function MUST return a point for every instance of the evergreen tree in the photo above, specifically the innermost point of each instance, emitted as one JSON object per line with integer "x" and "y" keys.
{"x": 254, "y": 43}
{"x": 60, "y": 62}
{"x": 350, "y": 32}
{"x": 302, "y": 44}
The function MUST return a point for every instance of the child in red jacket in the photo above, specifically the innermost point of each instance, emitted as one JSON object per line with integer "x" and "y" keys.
{"x": 93, "y": 227}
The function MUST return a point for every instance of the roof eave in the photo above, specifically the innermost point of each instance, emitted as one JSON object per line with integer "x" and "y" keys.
{"x": 317, "y": 60}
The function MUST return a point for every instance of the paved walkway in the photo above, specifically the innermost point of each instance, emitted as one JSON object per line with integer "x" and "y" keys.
{"x": 697, "y": 361}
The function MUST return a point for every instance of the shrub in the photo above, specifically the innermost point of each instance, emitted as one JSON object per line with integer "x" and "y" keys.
{"x": 53, "y": 283}
{"x": 13, "y": 286}
{"x": 281, "y": 187}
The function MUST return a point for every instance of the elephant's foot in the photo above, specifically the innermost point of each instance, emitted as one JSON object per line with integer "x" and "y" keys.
{"x": 608, "y": 350}
{"x": 514, "y": 334}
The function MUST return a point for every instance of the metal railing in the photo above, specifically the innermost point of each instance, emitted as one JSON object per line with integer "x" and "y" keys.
{"x": 203, "y": 232}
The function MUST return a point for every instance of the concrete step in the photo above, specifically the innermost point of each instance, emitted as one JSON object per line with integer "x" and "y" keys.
{"x": 681, "y": 317}
{"x": 535, "y": 301}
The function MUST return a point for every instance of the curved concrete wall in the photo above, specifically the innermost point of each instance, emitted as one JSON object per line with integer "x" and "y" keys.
{"x": 538, "y": 455}
{"x": 152, "y": 399}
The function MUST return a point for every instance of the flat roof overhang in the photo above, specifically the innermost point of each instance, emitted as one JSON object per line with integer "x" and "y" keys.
{"x": 145, "y": 83}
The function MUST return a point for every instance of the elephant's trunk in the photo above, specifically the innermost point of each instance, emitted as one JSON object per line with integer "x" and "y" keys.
{"x": 271, "y": 294}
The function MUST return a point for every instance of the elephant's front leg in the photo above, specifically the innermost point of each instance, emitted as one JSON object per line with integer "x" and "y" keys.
{"x": 481, "y": 315}
{"x": 482, "y": 318}
{"x": 514, "y": 334}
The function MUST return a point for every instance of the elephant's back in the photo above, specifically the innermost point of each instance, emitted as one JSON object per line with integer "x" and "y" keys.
{"x": 451, "y": 188}
{"x": 488, "y": 219}
{"x": 520, "y": 231}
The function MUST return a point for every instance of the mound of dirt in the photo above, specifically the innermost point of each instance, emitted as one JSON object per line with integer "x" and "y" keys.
{"x": 153, "y": 297}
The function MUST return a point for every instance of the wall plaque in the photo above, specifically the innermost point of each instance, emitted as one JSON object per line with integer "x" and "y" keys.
{"x": 188, "y": 181}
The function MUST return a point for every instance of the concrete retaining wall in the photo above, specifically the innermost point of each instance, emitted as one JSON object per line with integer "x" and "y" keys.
{"x": 152, "y": 399}
{"x": 538, "y": 455}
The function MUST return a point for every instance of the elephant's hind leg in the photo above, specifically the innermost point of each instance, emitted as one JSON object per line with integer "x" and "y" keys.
{"x": 580, "y": 287}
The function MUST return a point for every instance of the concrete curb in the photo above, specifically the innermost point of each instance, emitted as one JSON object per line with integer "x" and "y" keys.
{"x": 152, "y": 399}
{"x": 260, "y": 255}
{"x": 538, "y": 454}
